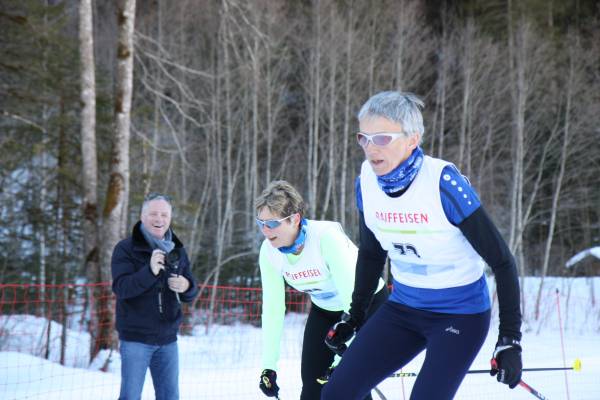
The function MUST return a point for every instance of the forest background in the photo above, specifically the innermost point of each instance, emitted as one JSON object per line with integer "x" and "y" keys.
{"x": 102, "y": 102}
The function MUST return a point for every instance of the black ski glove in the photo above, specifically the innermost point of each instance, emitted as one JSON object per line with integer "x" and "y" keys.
{"x": 268, "y": 383}
{"x": 506, "y": 362}
{"x": 340, "y": 333}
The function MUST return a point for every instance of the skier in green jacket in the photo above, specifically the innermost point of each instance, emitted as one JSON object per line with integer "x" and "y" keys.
{"x": 314, "y": 257}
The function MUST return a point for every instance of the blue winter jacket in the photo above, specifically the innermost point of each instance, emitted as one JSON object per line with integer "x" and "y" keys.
{"x": 139, "y": 315}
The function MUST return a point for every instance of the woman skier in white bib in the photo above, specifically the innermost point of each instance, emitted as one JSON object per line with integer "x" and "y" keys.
{"x": 315, "y": 257}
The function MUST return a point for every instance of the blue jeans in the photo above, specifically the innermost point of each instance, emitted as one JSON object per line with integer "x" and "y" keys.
{"x": 164, "y": 367}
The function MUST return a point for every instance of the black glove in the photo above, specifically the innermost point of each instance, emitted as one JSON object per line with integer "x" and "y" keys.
{"x": 506, "y": 362}
{"x": 268, "y": 383}
{"x": 340, "y": 333}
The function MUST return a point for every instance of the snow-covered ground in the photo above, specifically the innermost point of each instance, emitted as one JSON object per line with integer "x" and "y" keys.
{"x": 225, "y": 363}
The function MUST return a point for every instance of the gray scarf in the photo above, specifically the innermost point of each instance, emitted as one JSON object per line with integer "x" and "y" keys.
{"x": 166, "y": 244}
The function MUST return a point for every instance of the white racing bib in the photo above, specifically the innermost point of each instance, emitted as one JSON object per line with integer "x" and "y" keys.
{"x": 310, "y": 274}
{"x": 425, "y": 249}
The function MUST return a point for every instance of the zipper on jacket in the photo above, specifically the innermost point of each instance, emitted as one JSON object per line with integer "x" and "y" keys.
{"x": 160, "y": 305}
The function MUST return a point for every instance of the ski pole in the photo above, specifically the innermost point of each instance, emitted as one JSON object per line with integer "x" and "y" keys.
{"x": 521, "y": 382}
{"x": 325, "y": 378}
{"x": 562, "y": 343}
{"x": 575, "y": 367}
{"x": 379, "y": 393}
{"x": 532, "y": 390}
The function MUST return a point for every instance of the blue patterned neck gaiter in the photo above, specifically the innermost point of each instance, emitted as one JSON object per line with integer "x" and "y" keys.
{"x": 400, "y": 177}
{"x": 298, "y": 243}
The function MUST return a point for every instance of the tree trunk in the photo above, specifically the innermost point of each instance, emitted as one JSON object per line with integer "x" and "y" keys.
{"x": 558, "y": 182}
{"x": 223, "y": 172}
{"x": 467, "y": 70}
{"x": 149, "y": 166}
{"x": 256, "y": 79}
{"x": 332, "y": 136}
{"x": 518, "y": 65}
{"x": 315, "y": 107}
{"x": 89, "y": 154}
{"x": 399, "y": 73}
{"x": 346, "y": 130}
{"x": 115, "y": 208}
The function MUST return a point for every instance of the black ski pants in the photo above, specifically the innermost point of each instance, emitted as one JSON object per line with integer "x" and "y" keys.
{"x": 316, "y": 356}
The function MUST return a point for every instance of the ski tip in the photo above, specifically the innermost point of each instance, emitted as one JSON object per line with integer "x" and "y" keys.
{"x": 577, "y": 365}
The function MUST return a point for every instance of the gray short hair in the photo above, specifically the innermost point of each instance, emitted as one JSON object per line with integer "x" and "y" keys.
{"x": 156, "y": 196}
{"x": 400, "y": 107}
{"x": 281, "y": 198}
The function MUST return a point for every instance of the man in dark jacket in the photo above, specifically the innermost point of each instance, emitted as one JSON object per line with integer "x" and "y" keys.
{"x": 151, "y": 277}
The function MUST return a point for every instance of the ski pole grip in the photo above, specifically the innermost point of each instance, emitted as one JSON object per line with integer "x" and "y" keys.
{"x": 494, "y": 363}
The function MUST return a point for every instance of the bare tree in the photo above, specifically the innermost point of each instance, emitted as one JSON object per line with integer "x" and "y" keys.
{"x": 570, "y": 85}
{"x": 347, "y": 115}
{"x": 313, "y": 95}
{"x": 227, "y": 165}
{"x": 334, "y": 55}
{"x": 518, "y": 59}
{"x": 527, "y": 61}
{"x": 443, "y": 61}
{"x": 411, "y": 43}
{"x": 116, "y": 203}
{"x": 468, "y": 67}
{"x": 89, "y": 151}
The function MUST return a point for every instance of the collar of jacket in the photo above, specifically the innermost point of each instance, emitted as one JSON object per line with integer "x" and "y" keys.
{"x": 139, "y": 243}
